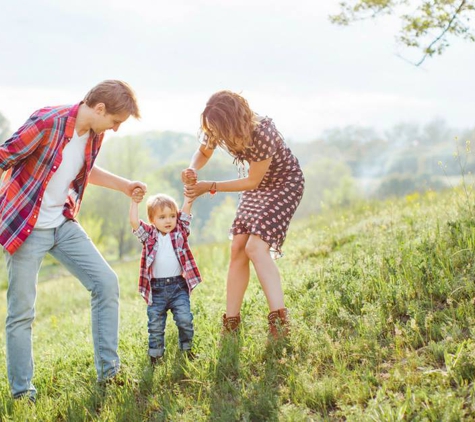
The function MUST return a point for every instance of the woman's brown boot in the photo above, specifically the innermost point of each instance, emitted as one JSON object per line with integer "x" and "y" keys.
{"x": 279, "y": 323}
{"x": 231, "y": 324}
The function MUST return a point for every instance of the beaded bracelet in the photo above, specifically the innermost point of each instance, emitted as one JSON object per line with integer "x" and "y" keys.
{"x": 212, "y": 189}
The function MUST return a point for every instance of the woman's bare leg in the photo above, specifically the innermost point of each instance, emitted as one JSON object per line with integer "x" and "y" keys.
{"x": 267, "y": 272}
{"x": 238, "y": 275}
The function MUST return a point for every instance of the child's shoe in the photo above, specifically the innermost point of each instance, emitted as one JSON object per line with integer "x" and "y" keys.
{"x": 190, "y": 355}
{"x": 156, "y": 360}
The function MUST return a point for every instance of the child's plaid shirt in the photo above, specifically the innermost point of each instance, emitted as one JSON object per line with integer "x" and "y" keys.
{"x": 148, "y": 235}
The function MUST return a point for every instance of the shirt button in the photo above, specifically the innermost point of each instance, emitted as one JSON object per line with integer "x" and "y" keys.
{"x": 28, "y": 230}
{"x": 54, "y": 167}
{"x": 34, "y": 216}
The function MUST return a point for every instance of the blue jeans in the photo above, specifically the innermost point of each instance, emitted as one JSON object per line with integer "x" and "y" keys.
{"x": 71, "y": 246}
{"x": 169, "y": 294}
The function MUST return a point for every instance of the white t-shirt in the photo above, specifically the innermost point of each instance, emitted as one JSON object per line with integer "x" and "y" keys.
{"x": 166, "y": 263}
{"x": 56, "y": 193}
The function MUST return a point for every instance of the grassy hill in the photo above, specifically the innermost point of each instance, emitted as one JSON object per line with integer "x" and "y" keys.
{"x": 382, "y": 305}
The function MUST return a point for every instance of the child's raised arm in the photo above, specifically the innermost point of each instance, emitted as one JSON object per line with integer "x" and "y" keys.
{"x": 187, "y": 203}
{"x": 134, "y": 209}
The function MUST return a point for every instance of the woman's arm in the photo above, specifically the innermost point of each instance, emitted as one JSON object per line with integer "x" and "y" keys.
{"x": 257, "y": 171}
{"x": 198, "y": 161}
{"x": 101, "y": 177}
{"x": 201, "y": 157}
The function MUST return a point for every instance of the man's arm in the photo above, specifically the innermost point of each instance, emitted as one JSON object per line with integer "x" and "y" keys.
{"x": 101, "y": 177}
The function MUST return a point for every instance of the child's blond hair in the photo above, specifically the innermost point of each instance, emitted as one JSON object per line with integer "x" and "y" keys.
{"x": 158, "y": 202}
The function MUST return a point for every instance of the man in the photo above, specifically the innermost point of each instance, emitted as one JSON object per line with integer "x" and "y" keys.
{"x": 48, "y": 163}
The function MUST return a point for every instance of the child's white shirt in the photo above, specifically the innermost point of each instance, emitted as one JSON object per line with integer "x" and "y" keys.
{"x": 166, "y": 263}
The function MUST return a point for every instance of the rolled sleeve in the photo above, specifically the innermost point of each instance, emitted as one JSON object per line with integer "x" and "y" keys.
{"x": 186, "y": 217}
{"x": 142, "y": 233}
{"x": 185, "y": 222}
{"x": 22, "y": 143}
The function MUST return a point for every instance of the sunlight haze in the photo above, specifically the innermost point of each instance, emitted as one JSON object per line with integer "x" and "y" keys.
{"x": 286, "y": 58}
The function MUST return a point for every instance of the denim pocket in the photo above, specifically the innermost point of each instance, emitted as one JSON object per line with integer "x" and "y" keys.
{"x": 184, "y": 286}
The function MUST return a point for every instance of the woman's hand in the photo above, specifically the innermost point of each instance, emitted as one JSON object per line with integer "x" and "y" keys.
{"x": 197, "y": 189}
{"x": 189, "y": 176}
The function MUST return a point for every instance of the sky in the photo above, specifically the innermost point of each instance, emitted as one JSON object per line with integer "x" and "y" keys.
{"x": 285, "y": 57}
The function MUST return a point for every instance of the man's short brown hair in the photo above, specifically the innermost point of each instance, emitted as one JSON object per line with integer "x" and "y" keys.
{"x": 117, "y": 96}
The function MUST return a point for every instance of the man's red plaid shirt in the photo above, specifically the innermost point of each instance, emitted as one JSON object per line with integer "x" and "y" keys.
{"x": 30, "y": 158}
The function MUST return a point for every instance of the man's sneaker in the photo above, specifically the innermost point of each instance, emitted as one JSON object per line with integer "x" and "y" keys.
{"x": 118, "y": 380}
{"x": 25, "y": 395}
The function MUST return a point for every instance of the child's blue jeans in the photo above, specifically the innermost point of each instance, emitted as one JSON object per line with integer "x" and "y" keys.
{"x": 169, "y": 293}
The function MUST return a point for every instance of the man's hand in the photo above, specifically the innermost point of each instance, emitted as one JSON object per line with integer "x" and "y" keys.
{"x": 132, "y": 186}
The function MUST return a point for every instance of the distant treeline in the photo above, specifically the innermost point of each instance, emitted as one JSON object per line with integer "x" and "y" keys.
{"x": 406, "y": 158}
{"x": 342, "y": 166}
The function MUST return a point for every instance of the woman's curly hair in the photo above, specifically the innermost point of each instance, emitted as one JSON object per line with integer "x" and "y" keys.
{"x": 228, "y": 121}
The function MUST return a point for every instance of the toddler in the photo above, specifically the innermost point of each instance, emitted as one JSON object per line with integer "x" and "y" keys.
{"x": 168, "y": 271}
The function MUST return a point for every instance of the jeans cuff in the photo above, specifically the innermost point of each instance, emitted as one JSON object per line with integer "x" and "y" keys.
{"x": 185, "y": 346}
{"x": 156, "y": 353}
{"x": 109, "y": 375}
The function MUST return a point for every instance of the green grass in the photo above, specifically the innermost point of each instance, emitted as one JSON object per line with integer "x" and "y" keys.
{"x": 382, "y": 306}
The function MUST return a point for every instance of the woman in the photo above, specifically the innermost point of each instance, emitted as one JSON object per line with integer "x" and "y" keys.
{"x": 271, "y": 191}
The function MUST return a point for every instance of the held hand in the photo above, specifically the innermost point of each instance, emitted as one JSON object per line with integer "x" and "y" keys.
{"x": 133, "y": 186}
{"x": 137, "y": 195}
{"x": 195, "y": 190}
{"x": 189, "y": 176}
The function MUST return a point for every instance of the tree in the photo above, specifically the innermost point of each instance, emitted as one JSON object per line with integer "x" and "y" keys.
{"x": 426, "y": 25}
{"x": 328, "y": 184}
